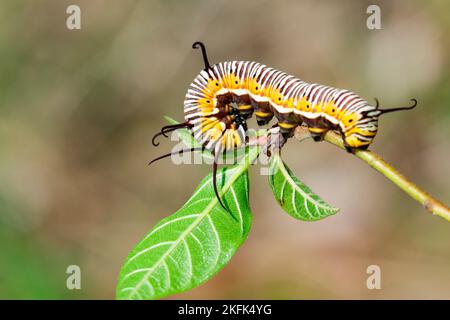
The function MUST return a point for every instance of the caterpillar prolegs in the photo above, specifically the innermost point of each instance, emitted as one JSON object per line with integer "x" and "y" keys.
{"x": 224, "y": 95}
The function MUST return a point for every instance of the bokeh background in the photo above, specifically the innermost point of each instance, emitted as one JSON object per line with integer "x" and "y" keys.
{"x": 78, "y": 109}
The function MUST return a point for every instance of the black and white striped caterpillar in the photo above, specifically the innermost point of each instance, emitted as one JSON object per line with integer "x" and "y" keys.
{"x": 223, "y": 96}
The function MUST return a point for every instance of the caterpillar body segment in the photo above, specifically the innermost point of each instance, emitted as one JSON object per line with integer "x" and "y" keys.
{"x": 223, "y": 96}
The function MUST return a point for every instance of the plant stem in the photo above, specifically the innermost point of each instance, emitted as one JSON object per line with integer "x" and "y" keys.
{"x": 375, "y": 161}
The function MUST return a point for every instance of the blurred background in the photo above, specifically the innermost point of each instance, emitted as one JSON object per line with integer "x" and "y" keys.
{"x": 78, "y": 109}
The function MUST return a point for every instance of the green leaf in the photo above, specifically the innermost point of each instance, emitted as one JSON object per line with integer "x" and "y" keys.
{"x": 187, "y": 248}
{"x": 295, "y": 197}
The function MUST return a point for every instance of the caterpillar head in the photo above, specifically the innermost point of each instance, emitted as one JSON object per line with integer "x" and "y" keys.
{"x": 359, "y": 128}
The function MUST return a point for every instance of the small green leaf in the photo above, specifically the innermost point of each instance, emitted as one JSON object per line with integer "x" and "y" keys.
{"x": 187, "y": 248}
{"x": 295, "y": 197}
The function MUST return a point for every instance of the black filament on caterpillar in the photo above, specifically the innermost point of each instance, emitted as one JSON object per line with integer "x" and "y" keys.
{"x": 223, "y": 96}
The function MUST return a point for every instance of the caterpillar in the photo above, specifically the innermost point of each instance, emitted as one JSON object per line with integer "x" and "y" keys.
{"x": 223, "y": 96}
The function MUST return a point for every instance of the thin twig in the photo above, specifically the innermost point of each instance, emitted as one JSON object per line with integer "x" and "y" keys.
{"x": 375, "y": 161}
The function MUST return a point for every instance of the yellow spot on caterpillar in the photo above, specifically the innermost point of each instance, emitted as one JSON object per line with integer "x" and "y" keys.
{"x": 286, "y": 125}
{"x": 252, "y": 86}
{"x": 317, "y": 130}
{"x": 212, "y": 87}
{"x": 349, "y": 120}
{"x": 275, "y": 96}
{"x": 244, "y": 107}
{"x": 206, "y": 103}
{"x": 262, "y": 114}
{"x": 303, "y": 105}
{"x": 330, "y": 109}
{"x": 231, "y": 81}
